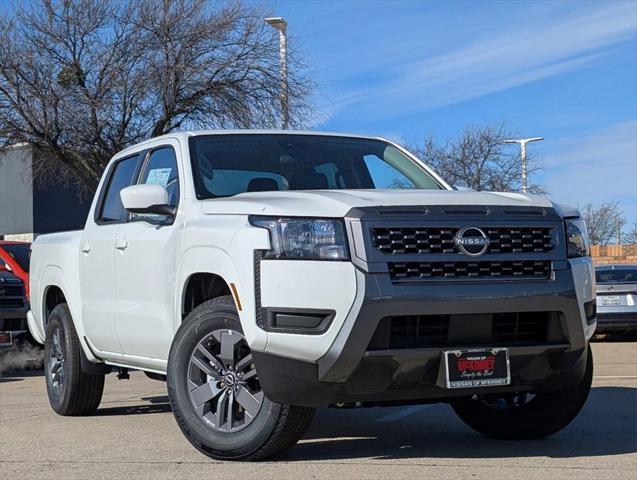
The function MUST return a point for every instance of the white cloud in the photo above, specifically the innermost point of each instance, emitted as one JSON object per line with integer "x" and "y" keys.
{"x": 595, "y": 167}
{"x": 544, "y": 46}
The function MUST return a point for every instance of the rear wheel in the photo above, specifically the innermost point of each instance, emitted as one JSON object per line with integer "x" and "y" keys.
{"x": 71, "y": 391}
{"x": 215, "y": 393}
{"x": 523, "y": 415}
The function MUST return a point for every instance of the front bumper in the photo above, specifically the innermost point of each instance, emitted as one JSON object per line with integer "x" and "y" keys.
{"x": 349, "y": 372}
{"x": 346, "y": 364}
{"x": 14, "y": 320}
{"x": 616, "y": 321}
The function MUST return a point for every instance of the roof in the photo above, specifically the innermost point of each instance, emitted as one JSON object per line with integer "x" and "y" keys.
{"x": 196, "y": 133}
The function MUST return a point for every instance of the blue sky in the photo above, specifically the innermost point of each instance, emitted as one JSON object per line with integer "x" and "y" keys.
{"x": 566, "y": 71}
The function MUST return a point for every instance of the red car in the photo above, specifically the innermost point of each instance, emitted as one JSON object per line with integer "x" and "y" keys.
{"x": 14, "y": 257}
{"x": 14, "y": 291}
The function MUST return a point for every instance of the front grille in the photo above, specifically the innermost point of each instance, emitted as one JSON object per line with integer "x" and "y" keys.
{"x": 425, "y": 271}
{"x": 10, "y": 291}
{"x": 497, "y": 329}
{"x": 11, "y": 302}
{"x": 518, "y": 327}
{"x": 415, "y": 240}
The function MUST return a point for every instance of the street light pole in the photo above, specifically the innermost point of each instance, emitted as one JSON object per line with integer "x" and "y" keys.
{"x": 523, "y": 142}
{"x": 281, "y": 25}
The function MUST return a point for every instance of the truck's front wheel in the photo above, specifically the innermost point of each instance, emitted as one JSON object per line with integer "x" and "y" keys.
{"x": 523, "y": 415}
{"x": 71, "y": 391}
{"x": 215, "y": 393}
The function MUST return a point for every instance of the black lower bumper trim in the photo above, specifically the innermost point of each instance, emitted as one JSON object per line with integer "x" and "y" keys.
{"x": 411, "y": 376}
{"x": 382, "y": 299}
{"x": 616, "y": 321}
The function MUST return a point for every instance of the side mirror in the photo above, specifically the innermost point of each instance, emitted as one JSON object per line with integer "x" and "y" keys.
{"x": 146, "y": 199}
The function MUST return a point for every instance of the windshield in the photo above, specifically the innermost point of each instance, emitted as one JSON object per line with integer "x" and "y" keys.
{"x": 20, "y": 253}
{"x": 225, "y": 165}
{"x": 623, "y": 275}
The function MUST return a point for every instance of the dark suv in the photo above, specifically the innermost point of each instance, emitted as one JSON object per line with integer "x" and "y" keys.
{"x": 13, "y": 310}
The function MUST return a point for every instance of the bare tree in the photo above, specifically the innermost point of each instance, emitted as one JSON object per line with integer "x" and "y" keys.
{"x": 603, "y": 222}
{"x": 630, "y": 236}
{"x": 82, "y": 79}
{"x": 477, "y": 159}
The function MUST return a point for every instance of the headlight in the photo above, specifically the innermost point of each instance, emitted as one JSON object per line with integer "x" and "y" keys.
{"x": 304, "y": 238}
{"x": 577, "y": 242}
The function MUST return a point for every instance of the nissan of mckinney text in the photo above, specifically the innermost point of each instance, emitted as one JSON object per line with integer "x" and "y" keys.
{"x": 263, "y": 274}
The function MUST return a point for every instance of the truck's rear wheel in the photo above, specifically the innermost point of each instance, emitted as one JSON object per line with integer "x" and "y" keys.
{"x": 71, "y": 391}
{"x": 215, "y": 393}
{"x": 525, "y": 416}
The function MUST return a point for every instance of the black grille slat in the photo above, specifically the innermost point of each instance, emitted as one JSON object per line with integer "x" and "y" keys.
{"x": 432, "y": 331}
{"x": 11, "y": 302}
{"x": 13, "y": 324}
{"x": 520, "y": 327}
{"x": 414, "y": 271}
{"x": 417, "y": 240}
{"x": 414, "y": 331}
{"x": 10, "y": 290}
{"x": 11, "y": 296}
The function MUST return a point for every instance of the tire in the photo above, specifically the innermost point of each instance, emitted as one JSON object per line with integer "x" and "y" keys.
{"x": 222, "y": 423}
{"x": 508, "y": 417}
{"x": 71, "y": 391}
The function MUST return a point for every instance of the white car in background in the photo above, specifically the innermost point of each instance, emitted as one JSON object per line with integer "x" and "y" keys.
{"x": 616, "y": 298}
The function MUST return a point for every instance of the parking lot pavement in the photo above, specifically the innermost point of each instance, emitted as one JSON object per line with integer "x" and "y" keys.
{"x": 133, "y": 435}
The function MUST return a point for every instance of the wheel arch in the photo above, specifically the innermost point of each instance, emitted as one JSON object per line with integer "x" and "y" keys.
{"x": 213, "y": 268}
{"x": 202, "y": 286}
{"x": 56, "y": 289}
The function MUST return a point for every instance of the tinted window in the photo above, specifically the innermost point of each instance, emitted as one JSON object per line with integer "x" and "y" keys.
{"x": 301, "y": 162}
{"x": 384, "y": 175}
{"x": 161, "y": 169}
{"x": 620, "y": 275}
{"x": 20, "y": 253}
{"x": 123, "y": 175}
{"x": 231, "y": 182}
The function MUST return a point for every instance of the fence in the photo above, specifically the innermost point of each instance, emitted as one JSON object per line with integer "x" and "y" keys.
{"x": 604, "y": 254}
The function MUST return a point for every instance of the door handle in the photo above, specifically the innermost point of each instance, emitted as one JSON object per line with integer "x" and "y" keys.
{"x": 86, "y": 247}
{"x": 121, "y": 243}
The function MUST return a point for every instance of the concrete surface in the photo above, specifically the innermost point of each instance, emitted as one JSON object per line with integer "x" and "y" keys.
{"x": 133, "y": 435}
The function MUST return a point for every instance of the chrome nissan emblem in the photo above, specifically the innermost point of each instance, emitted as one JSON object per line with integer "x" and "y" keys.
{"x": 229, "y": 380}
{"x": 472, "y": 241}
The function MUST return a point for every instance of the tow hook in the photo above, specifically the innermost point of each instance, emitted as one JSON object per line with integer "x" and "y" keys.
{"x": 122, "y": 374}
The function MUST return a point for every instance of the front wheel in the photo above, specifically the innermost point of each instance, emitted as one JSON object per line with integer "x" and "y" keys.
{"x": 215, "y": 393}
{"x": 523, "y": 415}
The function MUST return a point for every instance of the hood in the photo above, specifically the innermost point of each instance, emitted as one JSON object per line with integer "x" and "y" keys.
{"x": 336, "y": 203}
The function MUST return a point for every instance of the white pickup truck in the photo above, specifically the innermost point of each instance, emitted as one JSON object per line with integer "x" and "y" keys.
{"x": 264, "y": 274}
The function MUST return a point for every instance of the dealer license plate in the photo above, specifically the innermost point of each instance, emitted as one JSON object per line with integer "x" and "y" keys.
{"x": 5, "y": 339}
{"x": 477, "y": 367}
{"x": 611, "y": 300}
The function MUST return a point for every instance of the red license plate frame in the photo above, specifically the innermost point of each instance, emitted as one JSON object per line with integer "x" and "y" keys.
{"x": 477, "y": 367}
